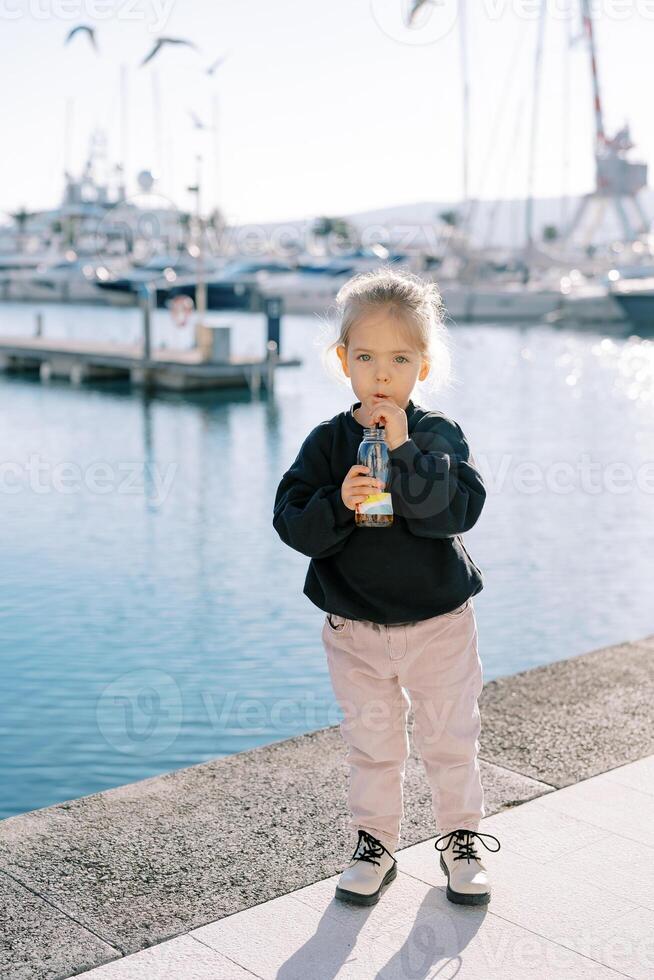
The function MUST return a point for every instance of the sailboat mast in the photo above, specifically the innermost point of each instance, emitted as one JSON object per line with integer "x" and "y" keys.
{"x": 565, "y": 162}
{"x": 158, "y": 126}
{"x": 466, "y": 101}
{"x": 124, "y": 128}
{"x": 529, "y": 209}
{"x": 215, "y": 126}
{"x": 68, "y": 136}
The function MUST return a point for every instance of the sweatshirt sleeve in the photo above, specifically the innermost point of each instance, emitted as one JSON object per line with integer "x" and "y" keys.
{"x": 434, "y": 481}
{"x": 309, "y": 514}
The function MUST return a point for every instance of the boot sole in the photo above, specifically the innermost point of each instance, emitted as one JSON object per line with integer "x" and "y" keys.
{"x": 357, "y": 898}
{"x": 463, "y": 898}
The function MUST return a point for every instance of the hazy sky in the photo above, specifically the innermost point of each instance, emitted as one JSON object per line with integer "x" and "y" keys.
{"x": 329, "y": 107}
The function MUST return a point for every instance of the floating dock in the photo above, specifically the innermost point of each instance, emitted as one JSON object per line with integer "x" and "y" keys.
{"x": 82, "y": 360}
{"x": 209, "y": 364}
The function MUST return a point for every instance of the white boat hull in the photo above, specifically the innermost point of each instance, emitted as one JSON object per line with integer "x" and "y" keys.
{"x": 25, "y": 288}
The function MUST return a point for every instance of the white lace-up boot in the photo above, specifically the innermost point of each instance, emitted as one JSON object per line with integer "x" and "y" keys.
{"x": 467, "y": 878}
{"x": 371, "y": 868}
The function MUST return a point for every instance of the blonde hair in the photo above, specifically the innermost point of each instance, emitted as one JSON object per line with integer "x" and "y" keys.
{"x": 415, "y": 302}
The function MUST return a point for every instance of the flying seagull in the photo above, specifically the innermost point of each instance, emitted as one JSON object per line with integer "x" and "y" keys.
{"x": 87, "y": 30}
{"x": 417, "y": 5}
{"x": 166, "y": 40}
{"x": 217, "y": 63}
{"x": 197, "y": 122}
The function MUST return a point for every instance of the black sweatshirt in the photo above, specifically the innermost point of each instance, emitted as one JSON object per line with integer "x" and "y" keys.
{"x": 416, "y": 568}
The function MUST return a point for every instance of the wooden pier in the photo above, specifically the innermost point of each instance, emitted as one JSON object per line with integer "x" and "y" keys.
{"x": 207, "y": 365}
{"x": 82, "y": 360}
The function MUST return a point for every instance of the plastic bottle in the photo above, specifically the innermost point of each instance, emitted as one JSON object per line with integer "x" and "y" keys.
{"x": 377, "y": 509}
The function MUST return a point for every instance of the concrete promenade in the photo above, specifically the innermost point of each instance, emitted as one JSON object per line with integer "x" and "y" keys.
{"x": 227, "y": 869}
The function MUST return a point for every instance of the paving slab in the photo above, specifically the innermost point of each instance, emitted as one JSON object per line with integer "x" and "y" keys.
{"x": 605, "y": 804}
{"x": 184, "y": 958}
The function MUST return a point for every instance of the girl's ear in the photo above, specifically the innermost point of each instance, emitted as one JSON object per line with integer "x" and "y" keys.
{"x": 342, "y": 354}
{"x": 424, "y": 371}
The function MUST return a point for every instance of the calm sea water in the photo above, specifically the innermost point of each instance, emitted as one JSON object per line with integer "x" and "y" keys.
{"x": 150, "y": 617}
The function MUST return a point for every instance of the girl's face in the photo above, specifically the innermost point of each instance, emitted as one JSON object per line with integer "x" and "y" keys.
{"x": 381, "y": 359}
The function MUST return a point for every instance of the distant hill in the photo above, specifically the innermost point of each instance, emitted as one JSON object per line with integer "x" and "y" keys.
{"x": 496, "y": 223}
{"x": 499, "y": 223}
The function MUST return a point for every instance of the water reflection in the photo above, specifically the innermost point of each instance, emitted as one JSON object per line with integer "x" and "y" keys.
{"x": 161, "y": 622}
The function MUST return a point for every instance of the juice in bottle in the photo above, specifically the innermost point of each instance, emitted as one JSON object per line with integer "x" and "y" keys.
{"x": 377, "y": 509}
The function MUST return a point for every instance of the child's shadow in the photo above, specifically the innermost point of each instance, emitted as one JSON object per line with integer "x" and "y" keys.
{"x": 398, "y": 945}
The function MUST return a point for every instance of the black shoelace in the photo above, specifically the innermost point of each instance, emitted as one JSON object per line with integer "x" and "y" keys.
{"x": 371, "y": 849}
{"x": 464, "y": 846}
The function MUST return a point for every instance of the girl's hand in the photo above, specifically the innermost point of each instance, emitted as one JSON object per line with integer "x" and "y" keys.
{"x": 356, "y": 487}
{"x": 389, "y": 413}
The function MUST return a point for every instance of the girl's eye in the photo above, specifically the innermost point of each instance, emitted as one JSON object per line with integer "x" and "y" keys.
{"x": 368, "y": 355}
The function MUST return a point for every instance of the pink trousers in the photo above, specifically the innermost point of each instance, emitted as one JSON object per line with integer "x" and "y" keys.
{"x": 380, "y": 672}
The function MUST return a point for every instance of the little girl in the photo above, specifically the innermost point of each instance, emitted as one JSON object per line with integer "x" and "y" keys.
{"x": 400, "y": 629}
